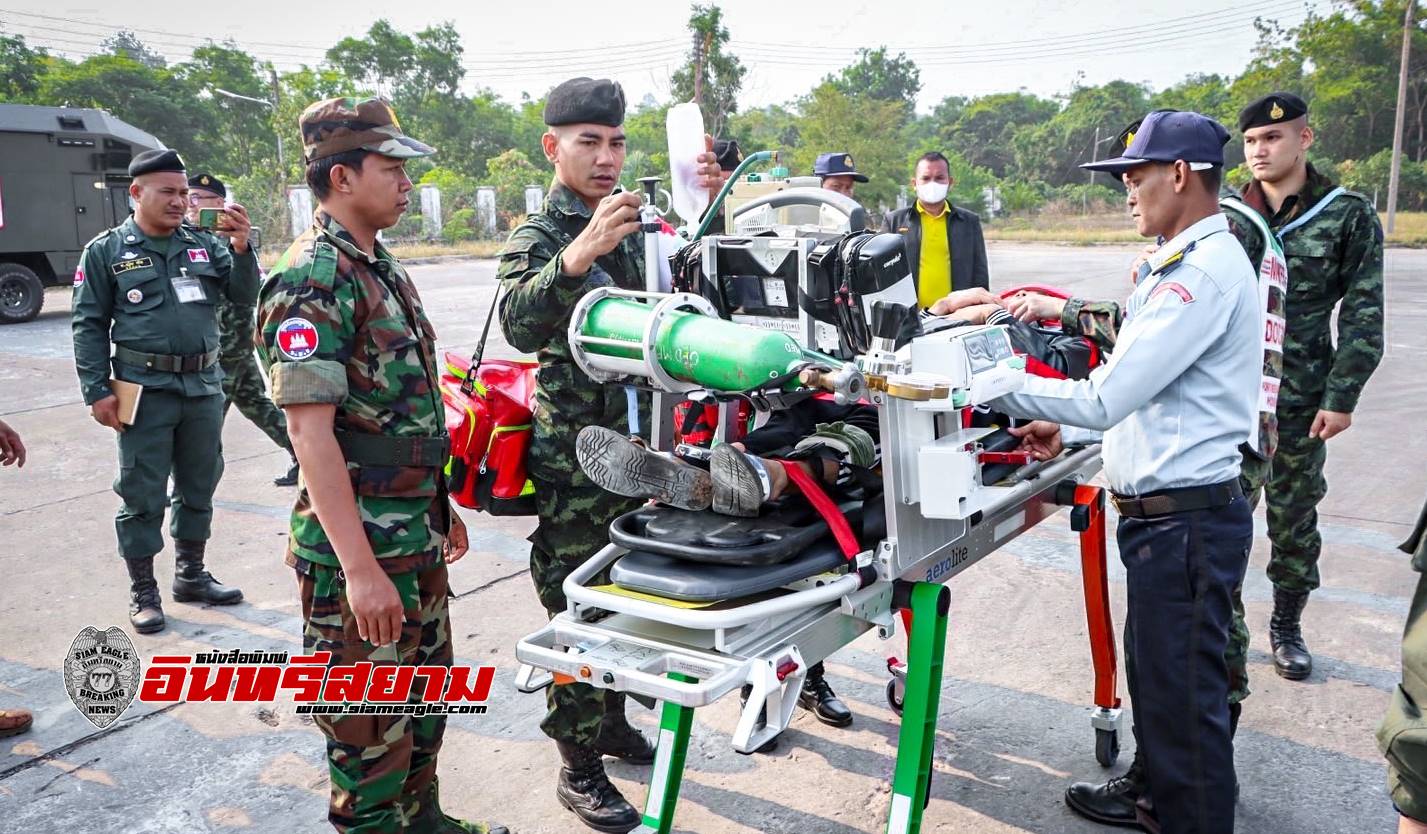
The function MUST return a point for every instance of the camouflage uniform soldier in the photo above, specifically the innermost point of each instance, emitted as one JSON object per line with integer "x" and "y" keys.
{"x": 243, "y": 383}
{"x": 145, "y": 293}
{"x": 1400, "y": 735}
{"x": 1334, "y": 246}
{"x": 583, "y": 238}
{"x": 351, "y": 356}
{"x": 1113, "y": 801}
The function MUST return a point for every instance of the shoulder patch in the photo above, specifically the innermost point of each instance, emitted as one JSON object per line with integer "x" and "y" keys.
{"x": 297, "y": 339}
{"x": 1175, "y": 287}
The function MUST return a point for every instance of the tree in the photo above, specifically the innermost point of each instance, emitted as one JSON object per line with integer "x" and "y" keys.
{"x": 771, "y": 128}
{"x": 711, "y": 77}
{"x": 510, "y": 173}
{"x": 20, "y": 69}
{"x": 383, "y": 61}
{"x": 150, "y": 99}
{"x": 126, "y": 44}
{"x": 874, "y": 75}
{"x": 986, "y": 127}
{"x": 234, "y": 138}
{"x": 869, "y": 129}
{"x": 1054, "y": 150}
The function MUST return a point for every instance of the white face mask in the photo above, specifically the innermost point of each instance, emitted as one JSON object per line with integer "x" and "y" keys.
{"x": 931, "y": 193}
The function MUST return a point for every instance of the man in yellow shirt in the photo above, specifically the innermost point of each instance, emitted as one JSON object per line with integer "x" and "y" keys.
{"x": 945, "y": 246}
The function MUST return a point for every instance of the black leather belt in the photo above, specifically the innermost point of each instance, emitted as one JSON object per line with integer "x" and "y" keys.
{"x": 1182, "y": 500}
{"x": 190, "y": 364}
{"x": 380, "y": 450}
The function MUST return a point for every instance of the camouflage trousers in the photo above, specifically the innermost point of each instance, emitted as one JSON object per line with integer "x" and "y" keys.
{"x": 1295, "y": 487}
{"x": 382, "y": 767}
{"x": 574, "y": 525}
{"x": 243, "y": 386}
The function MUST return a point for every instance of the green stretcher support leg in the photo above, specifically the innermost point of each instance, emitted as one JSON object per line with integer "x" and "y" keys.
{"x": 675, "y": 724}
{"x": 911, "y": 781}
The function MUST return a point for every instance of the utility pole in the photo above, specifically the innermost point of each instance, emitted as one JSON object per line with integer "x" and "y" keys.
{"x": 1401, "y": 118}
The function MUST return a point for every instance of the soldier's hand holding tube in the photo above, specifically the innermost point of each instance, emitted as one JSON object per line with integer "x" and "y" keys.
{"x": 236, "y": 226}
{"x": 1041, "y": 438}
{"x": 711, "y": 174}
{"x": 106, "y": 413}
{"x": 615, "y": 218}
{"x": 375, "y": 603}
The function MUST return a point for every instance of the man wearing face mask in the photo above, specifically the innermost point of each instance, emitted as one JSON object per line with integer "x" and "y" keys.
{"x": 944, "y": 243}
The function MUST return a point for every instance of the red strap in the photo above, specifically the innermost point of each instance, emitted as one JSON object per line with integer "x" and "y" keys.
{"x": 826, "y": 507}
{"x": 1036, "y": 367}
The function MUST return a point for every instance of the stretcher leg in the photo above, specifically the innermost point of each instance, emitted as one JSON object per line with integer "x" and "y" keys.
{"x": 1088, "y": 519}
{"x": 675, "y": 724}
{"x": 911, "y": 780}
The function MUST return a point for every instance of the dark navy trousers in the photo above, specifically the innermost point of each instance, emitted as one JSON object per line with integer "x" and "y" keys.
{"x": 1181, "y": 570}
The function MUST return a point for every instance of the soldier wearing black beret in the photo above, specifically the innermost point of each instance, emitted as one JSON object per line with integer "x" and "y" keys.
{"x": 1274, "y": 108}
{"x": 583, "y": 237}
{"x": 208, "y": 183}
{"x": 154, "y": 162}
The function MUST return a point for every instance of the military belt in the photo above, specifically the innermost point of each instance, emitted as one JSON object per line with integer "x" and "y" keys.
{"x": 192, "y": 363}
{"x": 1182, "y": 500}
{"x": 381, "y": 450}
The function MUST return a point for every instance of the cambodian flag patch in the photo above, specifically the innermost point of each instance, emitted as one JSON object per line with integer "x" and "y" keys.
{"x": 297, "y": 339}
{"x": 198, "y": 256}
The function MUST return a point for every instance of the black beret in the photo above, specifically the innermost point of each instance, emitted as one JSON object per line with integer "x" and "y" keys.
{"x": 150, "y": 162}
{"x": 1272, "y": 109}
{"x": 728, "y": 153}
{"x": 585, "y": 101}
{"x": 208, "y": 182}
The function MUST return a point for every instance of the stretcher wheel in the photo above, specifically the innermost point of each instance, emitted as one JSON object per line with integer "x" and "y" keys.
{"x": 896, "y": 700}
{"x": 1107, "y": 747}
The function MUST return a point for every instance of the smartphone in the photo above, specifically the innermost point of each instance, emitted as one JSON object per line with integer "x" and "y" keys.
{"x": 208, "y": 218}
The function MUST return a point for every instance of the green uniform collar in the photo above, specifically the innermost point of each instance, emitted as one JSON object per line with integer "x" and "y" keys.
{"x": 337, "y": 235}
{"x": 130, "y": 234}
{"x": 1315, "y": 188}
{"x": 561, "y": 199}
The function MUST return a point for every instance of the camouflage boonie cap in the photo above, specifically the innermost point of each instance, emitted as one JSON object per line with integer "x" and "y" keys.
{"x": 337, "y": 125}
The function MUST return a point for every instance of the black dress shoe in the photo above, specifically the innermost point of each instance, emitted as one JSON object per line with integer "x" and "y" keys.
{"x": 818, "y": 697}
{"x": 1112, "y": 802}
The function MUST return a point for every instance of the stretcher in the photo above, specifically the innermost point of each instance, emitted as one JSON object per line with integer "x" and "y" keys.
{"x": 686, "y": 608}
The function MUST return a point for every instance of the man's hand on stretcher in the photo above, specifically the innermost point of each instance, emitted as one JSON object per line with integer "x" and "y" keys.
{"x": 1041, "y": 438}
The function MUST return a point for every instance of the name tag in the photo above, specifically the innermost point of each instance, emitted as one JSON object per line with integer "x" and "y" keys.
{"x": 188, "y": 289}
{"x": 136, "y": 263}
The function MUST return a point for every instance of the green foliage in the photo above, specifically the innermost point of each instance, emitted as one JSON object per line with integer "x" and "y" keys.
{"x": 869, "y": 129}
{"x": 510, "y": 173}
{"x": 874, "y": 75}
{"x": 20, "y": 70}
{"x": 711, "y": 76}
{"x": 983, "y": 129}
{"x": 460, "y": 226}
{"x": 1370, "y": 177}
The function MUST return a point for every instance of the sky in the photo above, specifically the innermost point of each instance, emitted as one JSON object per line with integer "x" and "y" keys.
{"x": 961, "y": 48}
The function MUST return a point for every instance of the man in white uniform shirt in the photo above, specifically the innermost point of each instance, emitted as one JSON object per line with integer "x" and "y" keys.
{"x": 1175, "y": 402}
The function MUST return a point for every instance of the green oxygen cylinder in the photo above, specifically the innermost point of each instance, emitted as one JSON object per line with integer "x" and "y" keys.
{"x": 716, "y": 354}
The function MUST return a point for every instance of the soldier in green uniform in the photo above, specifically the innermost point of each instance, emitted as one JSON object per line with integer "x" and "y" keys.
{"x": 1402, "y": 736}
{"x": 146, "y": 292}
{"x": 1113, "y": 801}
{"x": 1333, "y": 243}
{"x": 582, "y": 238}
{"x": 351, "y": 355}
{"x": 243, "y": 384}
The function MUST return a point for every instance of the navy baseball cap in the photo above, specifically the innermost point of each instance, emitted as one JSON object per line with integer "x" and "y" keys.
{"x": 837, "y": 164}
{"x": 1168, "y": 136}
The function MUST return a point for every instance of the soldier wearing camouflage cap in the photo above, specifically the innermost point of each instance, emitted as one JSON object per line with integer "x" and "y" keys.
{"x": 582, "y": 238}
{"x": 351, "y": 356}
{"x": 1333, "y": 243}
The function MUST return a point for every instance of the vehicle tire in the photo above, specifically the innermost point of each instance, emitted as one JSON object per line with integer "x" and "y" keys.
{"x": 21, "y": 293}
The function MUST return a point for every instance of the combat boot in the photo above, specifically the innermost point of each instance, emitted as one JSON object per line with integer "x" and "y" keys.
{"x": 191, "y": 583}
{"x": 430, "y": 819}
{"x": 618, "y": 739}
{"x": 585, "y": 789}
{"x": 289, "y": 479}
{"x": 146, "y": 613}
{"x": 1113, "y": 802}
{"x": 1285, "y": 633}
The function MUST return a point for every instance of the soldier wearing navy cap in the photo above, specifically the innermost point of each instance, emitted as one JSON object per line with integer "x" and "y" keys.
{"x": 144, "y": 312}
{"x": 583, "y": 237}
{"x": 1333, "y": 243}
{"x": 1175, "y": 402}
{"x": 243, "y": 383}
{"x": 838, "y": 172}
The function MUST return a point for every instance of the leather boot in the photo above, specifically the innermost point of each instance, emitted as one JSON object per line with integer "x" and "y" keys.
{"x": 1113, "y": 802}
{"x": 146, "y": 613}
{"x": 818, "y": 697}
{"x": 620, "y": 740}
{"x": 289, "y": 479}
{"x": 1285, "y": 633}
{"x": 191, "y": 583}
{"x": 586, "y": 790}
{"x": 430, "y": 819}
